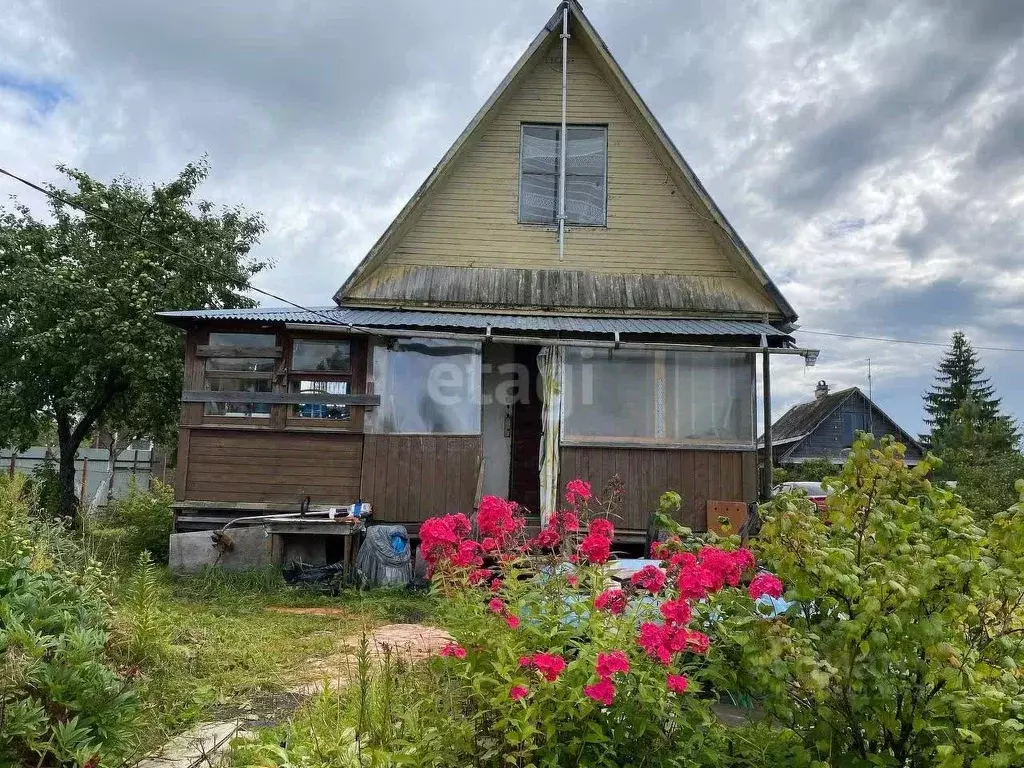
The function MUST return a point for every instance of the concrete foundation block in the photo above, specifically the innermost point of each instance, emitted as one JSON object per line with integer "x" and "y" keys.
{"x": 251, "y": 549}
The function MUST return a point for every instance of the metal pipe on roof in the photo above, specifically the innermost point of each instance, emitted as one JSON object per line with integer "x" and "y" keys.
{"x": 563, "y": 136}
{"x": 540, "y": 341}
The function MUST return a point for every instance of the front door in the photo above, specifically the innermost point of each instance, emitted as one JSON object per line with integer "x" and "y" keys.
{"x": 527, "y": 420}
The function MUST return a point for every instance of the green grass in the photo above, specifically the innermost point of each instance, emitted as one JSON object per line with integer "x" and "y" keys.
{"x": 227, "y": 648}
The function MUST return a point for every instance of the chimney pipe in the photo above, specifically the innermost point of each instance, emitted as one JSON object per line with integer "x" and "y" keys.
{"x": 821, "y": 390}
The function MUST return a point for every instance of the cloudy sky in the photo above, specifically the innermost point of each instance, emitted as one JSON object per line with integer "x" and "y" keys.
{"x": 870, "y": 152}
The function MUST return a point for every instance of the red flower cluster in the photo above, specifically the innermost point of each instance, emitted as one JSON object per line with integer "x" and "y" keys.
{"x": 611, "y": 600}
{"x": 602, "y": 691}
{"x": 549, "y": 665}
{"x": 441, "y": 537}
{"x": 498, "y": 519}
{"x": 602, "y": 526}
{"x": 596, "y": 549}
{"x": 611, "y": 663}
{"x": 765, "y": 584}
{"x": 566, "y": 520}
{"x": 497, "y": 606}
{"x": 662, "y": 641}
{"x": 548, "y": 538}
{"x": 577, "y": 492}
{"x": 677, "y": 683}
{"x": 517, "y": 692}
{"x": 709, "y": 571}
{"x": 650, "y": 577}
{"x": 454, "y": 649}
{"x": 676, "y": 612}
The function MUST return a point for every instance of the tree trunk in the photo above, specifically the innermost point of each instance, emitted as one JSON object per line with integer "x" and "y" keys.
{"x": 68, "y": 503}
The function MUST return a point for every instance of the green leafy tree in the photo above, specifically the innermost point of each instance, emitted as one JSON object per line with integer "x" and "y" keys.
{"x": 79, "y": 342}
{"x": 959, "y": 378}
{"x": 905, "y": 643}
{"x": 981, "y": 455}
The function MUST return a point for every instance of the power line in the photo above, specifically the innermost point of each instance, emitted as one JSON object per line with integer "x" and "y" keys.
{"x": 233, "y": 278}
{"x": 920, "y": 342}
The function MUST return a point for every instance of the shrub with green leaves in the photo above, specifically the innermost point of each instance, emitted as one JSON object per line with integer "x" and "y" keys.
{"x": 141, "y": 521}
{"x": 905, "y": 646}
{"x": 62, "y": 701}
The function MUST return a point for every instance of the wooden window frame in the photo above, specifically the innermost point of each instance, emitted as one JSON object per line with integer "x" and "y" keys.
{"x": 355, "y": 377}
{"x": 204, "y": 351}
{"x": 519, "y": 180}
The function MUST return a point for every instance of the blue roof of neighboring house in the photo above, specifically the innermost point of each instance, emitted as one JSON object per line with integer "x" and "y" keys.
{"x": 409, "y": 318}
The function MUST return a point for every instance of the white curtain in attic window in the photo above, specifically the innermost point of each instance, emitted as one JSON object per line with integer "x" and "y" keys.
{"x": 585, "y": 168}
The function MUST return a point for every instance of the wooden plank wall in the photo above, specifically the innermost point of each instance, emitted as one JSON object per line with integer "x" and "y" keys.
{"x": 408, "y": 478}
{"x": 699, "y": 476}
{"x": 270, "y": 466}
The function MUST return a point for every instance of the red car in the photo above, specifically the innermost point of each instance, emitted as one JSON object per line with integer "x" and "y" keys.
{"x": 814, "y": 492}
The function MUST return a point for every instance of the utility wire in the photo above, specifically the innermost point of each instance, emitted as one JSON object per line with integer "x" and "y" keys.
{"x": 920, "y": 342}
{"x": 228, "y": 276}
{"x": 234, "y": 278}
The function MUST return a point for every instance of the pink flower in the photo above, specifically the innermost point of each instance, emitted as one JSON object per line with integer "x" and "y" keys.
{"x": 440, "y": 537}
{"x": 548, "y": 538}
{"x": 697, "y": 642}
{"x": 602, "y": 691}
{"x": 657, "y": 549}
{"x": 467, "y": 554}
{"x": 496, "y": 605}
{"x": 682, "y": 560}
{"x": 596, "y": 549}
{"x": 653, "y": 638}
{"x": 611, "y": 600}
{"x": 692, "y": 583}
{"x": 602, "y": 526}
{"x": 577, "y": 491}
{"x": 565, "y": 520}
{"x": 525, "y": 661}
{"x": 479, "y": 575}
{"x": 512, "y": 620}
{"x": 723, "y": 567}
{"x": 498, "y": 518}
{"x": 496, "y": 585}
{"x": 610, "y": 663}
{"x": 489, "y": 544}
{"x": 517, "y": 692}
{"x": 765, "y": 584}
{"x": 549, "y": 665}
{"x": 573, "y": 580}
{"x": 677, "y": 683}
{"x": 453, "y": 649}
{"x": 676, "y": 612}
{"x": 650, "y": 577}
{"x": 744, "y": 558}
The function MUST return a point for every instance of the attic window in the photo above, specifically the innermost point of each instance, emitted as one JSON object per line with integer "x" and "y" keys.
{"x": 586, "y": 171}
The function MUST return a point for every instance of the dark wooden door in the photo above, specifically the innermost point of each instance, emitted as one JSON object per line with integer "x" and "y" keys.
{"x": 527, "y": 414}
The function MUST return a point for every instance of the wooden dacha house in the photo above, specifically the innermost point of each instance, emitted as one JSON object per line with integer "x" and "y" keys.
{"x": 560, "y": 298}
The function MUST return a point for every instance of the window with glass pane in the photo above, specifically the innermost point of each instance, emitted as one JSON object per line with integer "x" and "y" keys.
{"x": 332, "y": 411}
{"x": 586, "y": 155}
{"x": 672, "y": 397}
{"x": 321, "y": 368}
{"x": 332, "y": 356}
{"x": 240, "y": 374}
{"x": 426, "y": 386}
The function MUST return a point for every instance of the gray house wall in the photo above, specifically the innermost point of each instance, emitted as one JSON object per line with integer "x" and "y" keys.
{"x": 833, "y": 436}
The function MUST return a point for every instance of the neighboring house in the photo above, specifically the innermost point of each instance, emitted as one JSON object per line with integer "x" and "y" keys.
{"x": 825, "y": 428}
{"x": 487, "y": 345}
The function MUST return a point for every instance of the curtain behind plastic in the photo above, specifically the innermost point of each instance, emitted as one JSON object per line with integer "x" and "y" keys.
{"x": 551, "y": 362}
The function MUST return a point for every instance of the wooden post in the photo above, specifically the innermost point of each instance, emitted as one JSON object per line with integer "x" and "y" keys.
{"x": 766, "y": 381}
{"x": 85, "y": 474}
{"x": 13, "y": 456}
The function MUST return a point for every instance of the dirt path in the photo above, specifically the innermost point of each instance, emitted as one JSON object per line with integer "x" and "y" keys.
{"x": 204, "y": 745}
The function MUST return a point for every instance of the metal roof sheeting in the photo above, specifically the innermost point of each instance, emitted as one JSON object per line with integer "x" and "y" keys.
{"x": 405, "y": 318}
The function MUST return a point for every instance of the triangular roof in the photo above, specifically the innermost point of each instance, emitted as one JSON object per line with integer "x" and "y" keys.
{"x": 683, "y": 176}
{"x": 803, "y": 418}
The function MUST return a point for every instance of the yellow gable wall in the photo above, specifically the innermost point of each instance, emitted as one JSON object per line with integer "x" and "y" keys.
{"x": 470, "y": 218}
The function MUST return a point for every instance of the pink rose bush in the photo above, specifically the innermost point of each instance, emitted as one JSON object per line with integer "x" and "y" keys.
{"x": 538, "y": 622}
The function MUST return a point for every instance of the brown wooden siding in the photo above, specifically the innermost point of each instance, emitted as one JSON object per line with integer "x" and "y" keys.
{"x": 699, "y": 476}
{"x": 270, "y": 466}
{"x": 408, "y": 478}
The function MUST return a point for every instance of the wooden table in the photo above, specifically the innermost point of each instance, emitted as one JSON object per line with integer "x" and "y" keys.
{"x": 314, "y": 528}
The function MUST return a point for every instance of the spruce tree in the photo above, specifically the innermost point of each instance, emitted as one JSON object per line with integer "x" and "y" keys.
{"x": 959, "y": 378}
